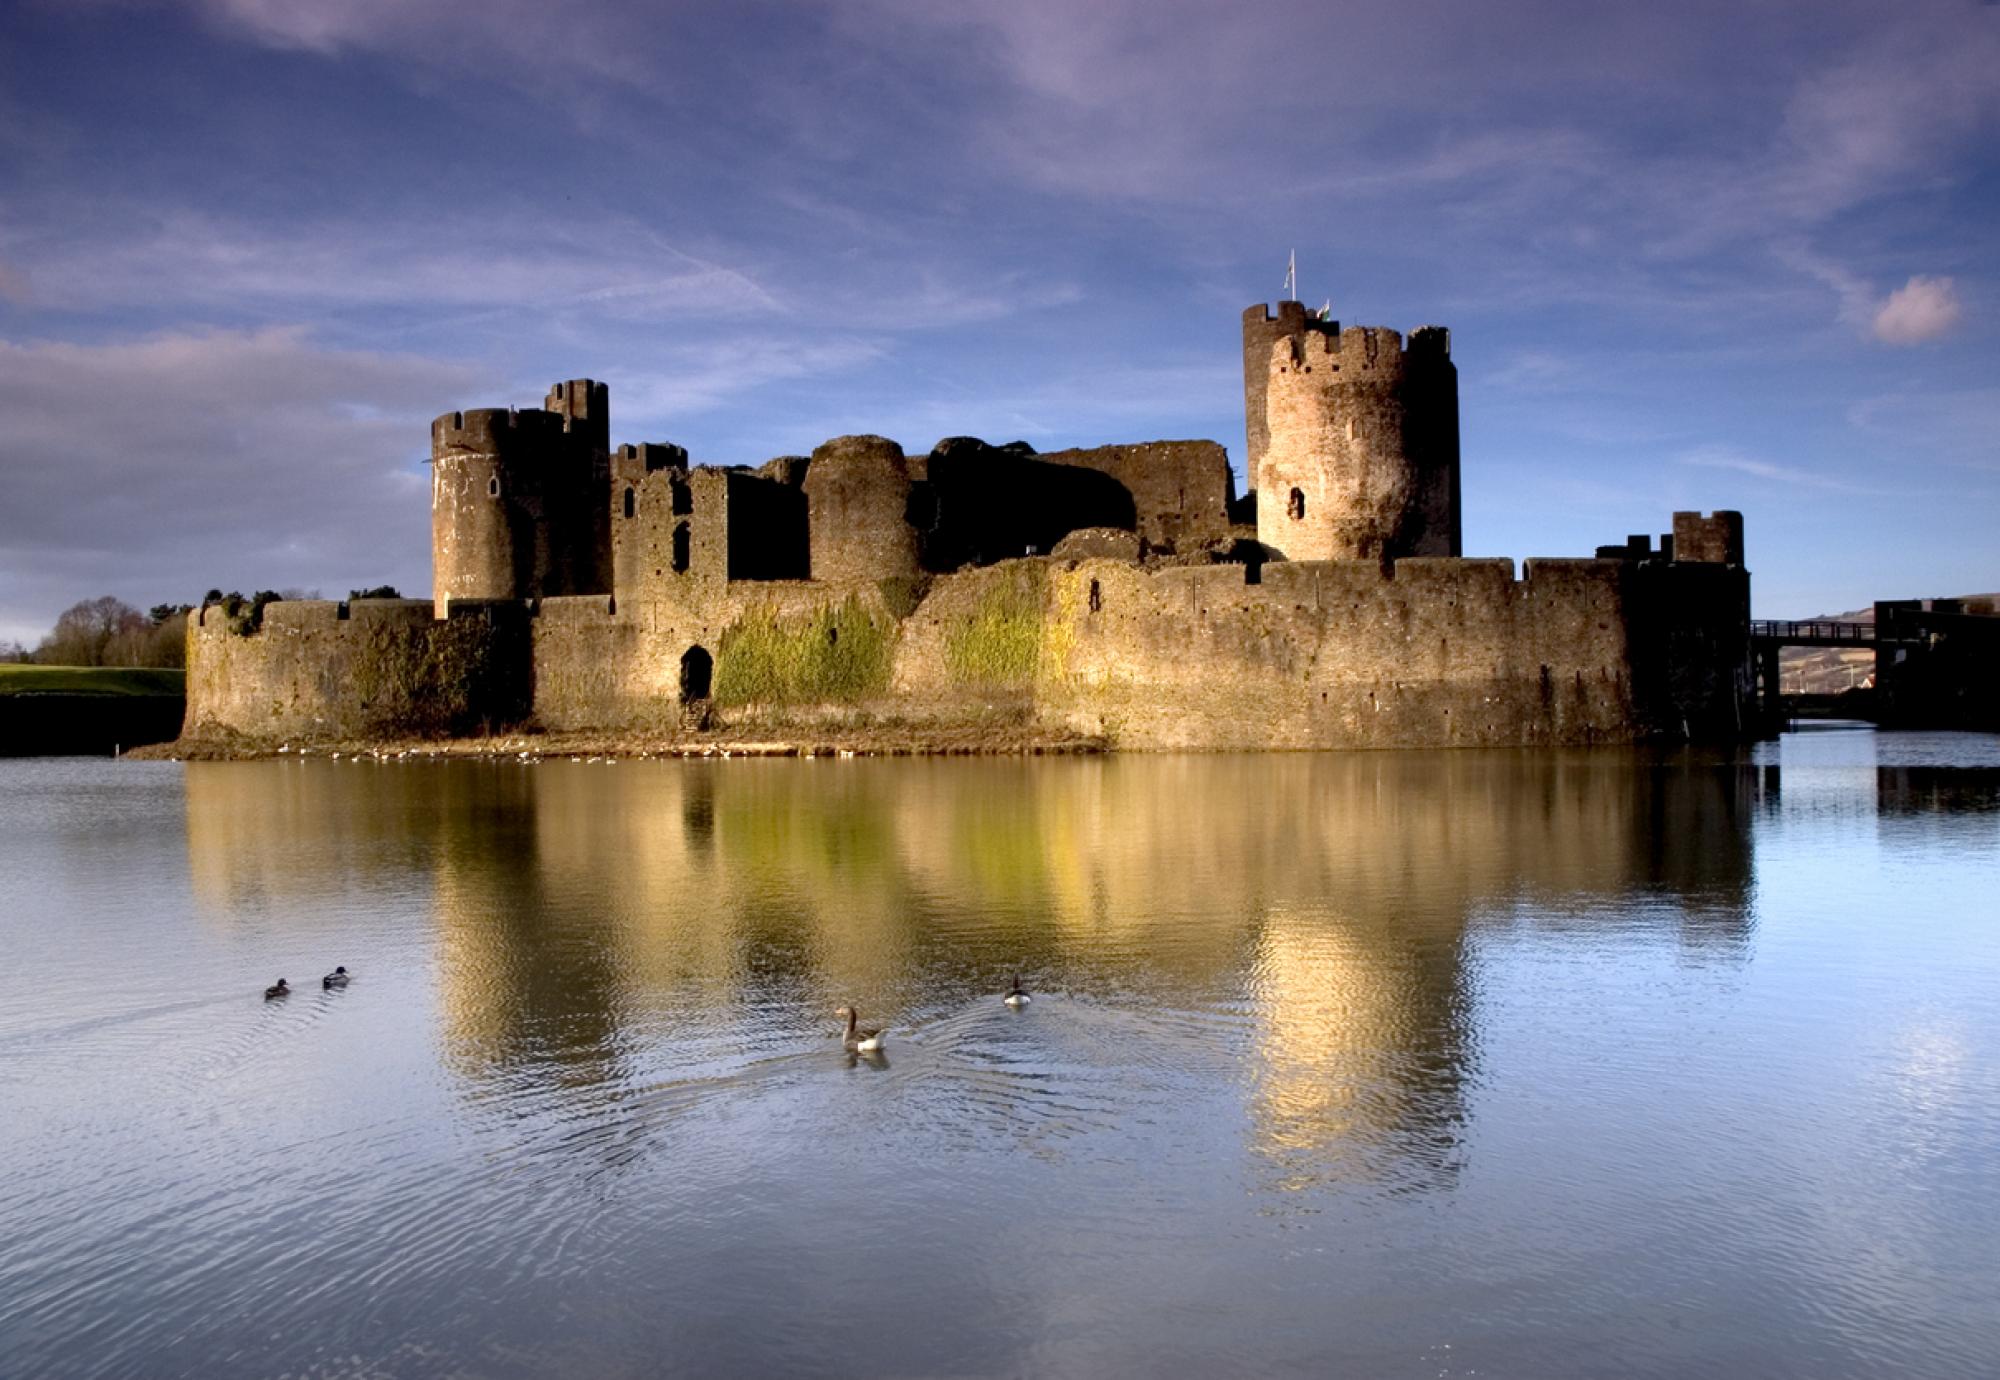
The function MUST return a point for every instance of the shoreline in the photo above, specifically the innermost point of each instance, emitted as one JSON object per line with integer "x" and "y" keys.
{"x": 982, "y": 741}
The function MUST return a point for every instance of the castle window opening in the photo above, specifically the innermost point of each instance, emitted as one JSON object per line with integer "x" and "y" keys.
{"x": 1295, "y": 506}
{"x": 681, "y": 541}
{"x": 683, "y": 498}
{"x": 697, "y": 672}
{"x": 1096, "y": 597}
{"x": 493, "y": 487}
{"x": 631, "y": 503}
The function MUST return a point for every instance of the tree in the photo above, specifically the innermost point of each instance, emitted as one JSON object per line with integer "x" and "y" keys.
{"x": 84, "y": 632}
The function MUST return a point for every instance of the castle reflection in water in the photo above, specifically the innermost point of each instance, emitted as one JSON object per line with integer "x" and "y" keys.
{"x": 1325, "y": 912}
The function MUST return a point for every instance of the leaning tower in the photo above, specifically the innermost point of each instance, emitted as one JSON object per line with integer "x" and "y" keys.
{"x": 1353, "y": 437}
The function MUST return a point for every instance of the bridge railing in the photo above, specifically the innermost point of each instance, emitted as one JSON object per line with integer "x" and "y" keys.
{"x": 1815, "y": 632}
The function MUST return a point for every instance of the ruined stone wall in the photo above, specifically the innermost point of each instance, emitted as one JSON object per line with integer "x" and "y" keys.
{"x": 1340, "y": 655}
{"x": 375, "y": 668}
{"x": 1336, "y": 654}
{"x": 1361, "y": 461}
{"x": 652, "y": 520}
{"x": 978, "y": 504}
{"x": 1181, "y": 490}
{"x": 796, "y": 646}
{"x": 1434, "y": 653}
{"x": 768, "y": 535}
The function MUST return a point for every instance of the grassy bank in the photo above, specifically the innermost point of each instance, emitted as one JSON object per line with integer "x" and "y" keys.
{"x": 90, "y": 680}
{"x": 55, "y": 711}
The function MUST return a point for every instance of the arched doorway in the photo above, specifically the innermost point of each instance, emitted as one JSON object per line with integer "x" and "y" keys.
{"x": 697, "y": 671}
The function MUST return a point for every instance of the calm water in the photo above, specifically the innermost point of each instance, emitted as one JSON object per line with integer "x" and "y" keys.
{"x": 1379, "y": 1064}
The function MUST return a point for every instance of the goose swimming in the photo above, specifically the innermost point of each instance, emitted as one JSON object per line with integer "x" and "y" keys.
{"x": 857, "y": 1040}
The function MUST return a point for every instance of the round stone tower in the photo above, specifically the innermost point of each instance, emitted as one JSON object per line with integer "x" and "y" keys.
{"x": 857, "y": 510}
{"x": 487, "y": 469}
{"x": 1360, "y": 460}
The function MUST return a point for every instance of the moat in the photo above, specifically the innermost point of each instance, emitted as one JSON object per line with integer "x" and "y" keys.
{"x": 1497, "y": 1063}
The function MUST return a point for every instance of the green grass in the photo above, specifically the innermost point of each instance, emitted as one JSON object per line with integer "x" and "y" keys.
{"x": 90, "y": 680}
{"x": 833, "y": 655}
{"x": 999, "y": 645}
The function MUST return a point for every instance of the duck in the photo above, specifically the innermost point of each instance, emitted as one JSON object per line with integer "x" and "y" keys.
{"x": 336, "y": 978}
{"x": 276, "y": 990}
{"x": 858, "y": 1041}
{"x": 1017, "y": 995}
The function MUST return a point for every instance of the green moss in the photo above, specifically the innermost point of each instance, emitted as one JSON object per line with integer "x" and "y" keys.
{"x": 998, "y": 645}
{"x": 835, "y": 654}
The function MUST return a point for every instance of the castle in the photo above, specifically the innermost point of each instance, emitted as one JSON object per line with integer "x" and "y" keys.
{"x": 1123, "y": 594}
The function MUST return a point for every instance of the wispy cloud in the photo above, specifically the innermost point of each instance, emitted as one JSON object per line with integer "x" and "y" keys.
{"x": 1718, "y": 457}
{"x": 193, "y": 259}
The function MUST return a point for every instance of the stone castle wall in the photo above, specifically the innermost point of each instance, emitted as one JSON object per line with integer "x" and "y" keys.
{"x": 375, "y": 668}
{"x": 1339, "y": 654}
{"x": 1181, "y": 490}
{"x": 1313, "y": 655}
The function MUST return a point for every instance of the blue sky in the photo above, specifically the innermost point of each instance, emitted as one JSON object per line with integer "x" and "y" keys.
{"x": 1693, "y": 256}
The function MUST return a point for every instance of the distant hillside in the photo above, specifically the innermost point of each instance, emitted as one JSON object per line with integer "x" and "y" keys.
{"x": 1829, "y": 670}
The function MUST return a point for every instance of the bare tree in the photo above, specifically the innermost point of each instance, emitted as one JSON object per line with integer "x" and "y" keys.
{"x": 86, "y": 632}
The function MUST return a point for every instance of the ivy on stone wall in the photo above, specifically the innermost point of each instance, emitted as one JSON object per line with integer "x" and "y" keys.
{"x": 835, "y": 654}
{"x": 998, "y": 645}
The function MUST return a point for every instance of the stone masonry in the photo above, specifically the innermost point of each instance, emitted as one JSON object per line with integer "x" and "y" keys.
{"x": 1115, "y": 592}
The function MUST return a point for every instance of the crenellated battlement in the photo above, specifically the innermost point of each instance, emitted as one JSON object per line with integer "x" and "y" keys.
{"x": 1376, "y": 353}
{"x": 1715, "y": 539}
{"x": 1289, "y": 318}
{"x": 495, "y": 431}
{"x": 632, "y": 461}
